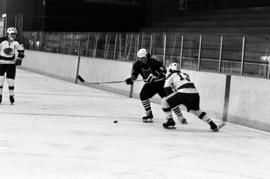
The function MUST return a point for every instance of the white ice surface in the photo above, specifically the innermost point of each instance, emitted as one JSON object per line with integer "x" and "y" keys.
{"x": 59, "y": 130}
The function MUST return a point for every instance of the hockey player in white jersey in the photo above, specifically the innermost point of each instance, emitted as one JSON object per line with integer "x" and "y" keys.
{"x": 11, "y": 54}
{"x": 180, "y": 90}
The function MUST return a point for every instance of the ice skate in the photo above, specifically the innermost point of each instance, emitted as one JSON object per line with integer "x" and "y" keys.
{"x": 148, "y": 117}
{"x": 170, "y": 124}
{"x": 11, "y": 99}
{"x": 214, "y": 127}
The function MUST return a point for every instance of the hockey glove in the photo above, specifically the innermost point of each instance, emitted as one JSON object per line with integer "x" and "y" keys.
{"x": 18, "y": 62}
{"x": 151, "y": 78}
{"x": 129, "y": 81}
{"x": 21, "y": 53}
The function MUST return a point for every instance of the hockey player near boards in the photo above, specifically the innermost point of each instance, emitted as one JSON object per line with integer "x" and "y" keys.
{"x": 11, "y": 54}
{"x": 153, "y": 74}
{"x": 180, "y": 90}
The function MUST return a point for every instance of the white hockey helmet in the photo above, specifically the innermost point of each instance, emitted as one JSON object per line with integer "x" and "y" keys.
{"x": 173, "y": 67}
{"x": 142, "y": 53}
{"x": 11, "y": 30}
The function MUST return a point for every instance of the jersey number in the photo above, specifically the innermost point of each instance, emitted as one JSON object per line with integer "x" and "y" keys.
{"x": 184, "y": 77}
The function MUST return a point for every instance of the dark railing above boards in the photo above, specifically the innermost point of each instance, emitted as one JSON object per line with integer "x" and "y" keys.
{"x": 223, "y": 4}
{"x": 230, "y": 54}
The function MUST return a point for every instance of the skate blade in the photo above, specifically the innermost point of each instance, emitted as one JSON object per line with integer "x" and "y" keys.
{"x": 172, "y": 127}
{"x": 148, "y": 121}
{"x": 169, "y": 127}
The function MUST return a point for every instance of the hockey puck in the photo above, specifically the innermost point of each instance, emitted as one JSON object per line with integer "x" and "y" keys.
{"x": 115, "y": 121}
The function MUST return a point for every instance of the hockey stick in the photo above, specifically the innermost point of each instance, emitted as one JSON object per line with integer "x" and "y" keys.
{"x": 96, "y": 83}
{"x": 78, "y": 77}
{"x": 100, "y": 82}
{"x": 104, "y": 82}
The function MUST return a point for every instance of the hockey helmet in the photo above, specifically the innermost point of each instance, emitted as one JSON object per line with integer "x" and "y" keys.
{"x": 11, "y": 33}
{"x": 11, "y": 30}
{"x": 173, "y": 67}
{"x": 142, "y": 53}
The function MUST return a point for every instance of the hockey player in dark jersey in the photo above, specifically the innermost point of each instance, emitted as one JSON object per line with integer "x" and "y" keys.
{"x": 181, "y": 91}
{"x": 11, "y": 54}
{"x": 153, "y": 74}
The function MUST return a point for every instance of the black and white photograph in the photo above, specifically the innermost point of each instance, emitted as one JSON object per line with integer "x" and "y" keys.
{"x": 134, "y": 89}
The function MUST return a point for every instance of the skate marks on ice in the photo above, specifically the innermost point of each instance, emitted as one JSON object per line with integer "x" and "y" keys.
{"x": 55, "y": 146}
{"x": 92, "y": 95}
{"x": 71, "y": 115}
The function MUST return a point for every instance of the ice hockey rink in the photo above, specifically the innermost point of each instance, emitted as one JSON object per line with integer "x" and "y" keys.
{"x": 58, "y": 130}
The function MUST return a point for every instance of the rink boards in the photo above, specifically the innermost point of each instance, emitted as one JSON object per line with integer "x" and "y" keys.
{"x": 246, "y": 101}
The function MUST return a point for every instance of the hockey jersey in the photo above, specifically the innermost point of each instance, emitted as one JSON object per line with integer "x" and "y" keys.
{"x": 10, "y": 51}
{"x": 180, "y": 82}
{"x": 151, "y": 71}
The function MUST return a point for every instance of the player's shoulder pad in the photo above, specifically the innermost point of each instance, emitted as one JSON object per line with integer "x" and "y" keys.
{"x": 185, "y": 73}
{"x": 137, "y": 64}
{"x": 155, "y": 61}
{"x": 172, "y": 74}
{"x": 19, "y": 41}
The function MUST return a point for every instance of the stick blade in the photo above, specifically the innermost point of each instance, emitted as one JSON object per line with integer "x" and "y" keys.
{"x": 80, "y": 79}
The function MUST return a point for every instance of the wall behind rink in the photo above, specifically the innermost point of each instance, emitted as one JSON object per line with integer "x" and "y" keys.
{"x": 249, "y": 102}
{"x": 56, "y": 65}
{"x": 246, "y": 101}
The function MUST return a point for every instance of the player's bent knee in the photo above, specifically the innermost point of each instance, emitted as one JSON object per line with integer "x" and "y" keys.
{"x": 10, "y": 82}
{"x": 165, "y": 106}
{"x": 143, "y": 96}
{"x": 196, "y": 112}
